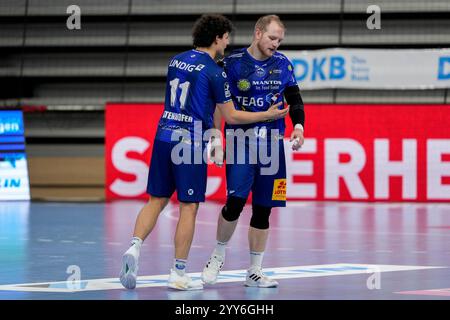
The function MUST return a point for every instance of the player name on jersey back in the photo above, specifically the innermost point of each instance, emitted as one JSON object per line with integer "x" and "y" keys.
{"x": 177, "y": 116}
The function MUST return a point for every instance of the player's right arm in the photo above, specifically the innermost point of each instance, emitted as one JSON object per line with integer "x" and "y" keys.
{"x": 233, "y": 116}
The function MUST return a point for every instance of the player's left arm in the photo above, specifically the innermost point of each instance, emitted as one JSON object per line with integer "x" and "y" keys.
{"x": 217, "y": 120}
{"x": 216, "y": 152}
{"x": 297, "y": 115}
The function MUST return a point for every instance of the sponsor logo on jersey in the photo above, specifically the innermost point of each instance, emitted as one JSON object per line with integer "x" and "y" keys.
{"x": 260, "y": 72}
{"x": 279, "y": 190}
{"x": 226, "y": 87}
{"x": 185, "y": 66}
{"x": 266, "y": 82}
{"x": 272, "y": 98}
{"x": 276, "y": 71}
{"x": 250, "y": 101}
{"x": 243, "y": 85}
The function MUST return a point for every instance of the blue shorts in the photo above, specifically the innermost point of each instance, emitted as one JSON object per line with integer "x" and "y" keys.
{"x": 164, "y": 176}
{"x": 268, "y": 190}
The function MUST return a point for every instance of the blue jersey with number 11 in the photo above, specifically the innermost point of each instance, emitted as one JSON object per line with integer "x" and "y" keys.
{"x": 195, "y": 84}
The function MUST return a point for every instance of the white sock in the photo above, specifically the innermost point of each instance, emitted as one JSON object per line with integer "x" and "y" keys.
{"x": 137, "y": 242}
{"x": 179, "y": 265}
{"x": 220, "y": 249}
{"x": 256, "y": 259}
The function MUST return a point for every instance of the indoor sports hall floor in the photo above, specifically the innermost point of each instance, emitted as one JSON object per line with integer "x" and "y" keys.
{"x": 317, "y": 250}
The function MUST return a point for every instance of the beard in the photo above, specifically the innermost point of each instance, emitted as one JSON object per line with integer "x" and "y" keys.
{"x": 265, "y": 51}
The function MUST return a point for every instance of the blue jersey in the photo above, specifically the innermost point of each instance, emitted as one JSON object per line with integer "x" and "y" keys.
{"x": 195, "y": 84}
{"x": 256, "y": 85}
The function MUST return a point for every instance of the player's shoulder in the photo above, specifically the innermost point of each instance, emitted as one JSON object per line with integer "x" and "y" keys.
{"x": 214, "y": 70}
{"x": 282, "y": 61}
{"x": 182, "y": 55}
{"x": 213, "y": 67}
{"x": 281, "y": 57}
{"x": 192, "y": 56}
{"x": 235, "y": 55}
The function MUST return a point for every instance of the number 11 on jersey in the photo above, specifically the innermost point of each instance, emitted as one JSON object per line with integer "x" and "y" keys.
{"x": 174, "y": 85}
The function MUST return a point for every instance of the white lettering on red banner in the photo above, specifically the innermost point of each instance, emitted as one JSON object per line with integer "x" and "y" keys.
{"x": 351, "y": 153}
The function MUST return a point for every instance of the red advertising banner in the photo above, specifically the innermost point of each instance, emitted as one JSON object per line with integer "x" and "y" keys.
{"x": 351, "y": 153}
{"x": 130, "y": 130}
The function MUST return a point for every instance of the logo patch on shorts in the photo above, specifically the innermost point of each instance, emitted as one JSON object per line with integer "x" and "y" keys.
{"x": 279, "y": 190}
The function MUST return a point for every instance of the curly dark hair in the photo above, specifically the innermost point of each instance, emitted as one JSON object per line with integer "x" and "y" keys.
{"x": 208, "y": 27}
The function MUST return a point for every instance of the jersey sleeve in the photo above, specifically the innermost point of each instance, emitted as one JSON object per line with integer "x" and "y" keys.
{"x": 291, "y": 80}
{"x": 221, "y": 87}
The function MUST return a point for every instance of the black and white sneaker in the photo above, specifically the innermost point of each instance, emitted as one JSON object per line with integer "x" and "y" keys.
{"x": 212, "y": 269}
{"x": 256, "y": 278}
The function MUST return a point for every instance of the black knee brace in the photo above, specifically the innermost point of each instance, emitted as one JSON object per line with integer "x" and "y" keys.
{"x": 260, "y": 217}
{"x": 233, "y": 208}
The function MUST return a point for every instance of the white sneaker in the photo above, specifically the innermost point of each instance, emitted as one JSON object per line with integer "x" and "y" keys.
{"x": 128, "y": 274}
{"x": 183, "y": 282}
{"x": 256, "y": 278}
{"x": 212, "y": 269}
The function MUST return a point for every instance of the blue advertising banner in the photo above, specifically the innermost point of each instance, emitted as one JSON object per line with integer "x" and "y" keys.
{"x": 14, "y": 181}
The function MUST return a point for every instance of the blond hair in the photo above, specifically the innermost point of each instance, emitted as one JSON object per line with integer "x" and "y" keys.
{"x": 264, "y": 21}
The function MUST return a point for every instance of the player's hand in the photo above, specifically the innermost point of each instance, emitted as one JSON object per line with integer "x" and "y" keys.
{"x": 273, "y": 113}
{"x": 216, "y": 154}
{"x": 297, "y": 137}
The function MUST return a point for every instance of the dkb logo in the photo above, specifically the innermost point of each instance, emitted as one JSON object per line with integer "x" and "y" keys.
{"x": 316, "y": 70}
{"x": 444, "y": 68}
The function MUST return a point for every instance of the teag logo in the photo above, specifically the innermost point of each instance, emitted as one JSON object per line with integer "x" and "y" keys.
{"x": 320, "y": 69}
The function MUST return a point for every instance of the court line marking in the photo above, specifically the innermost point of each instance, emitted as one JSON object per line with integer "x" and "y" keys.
{"x": 431, "y": 292}
{"x": 293, "y": 272}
